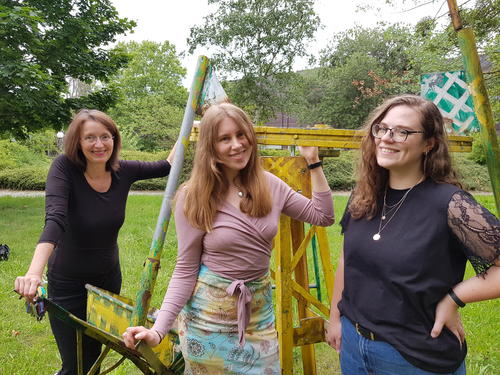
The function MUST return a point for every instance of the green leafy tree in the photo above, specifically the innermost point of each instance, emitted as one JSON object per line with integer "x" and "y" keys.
{"x": 257, "y": 42}
{"x": 362, "y": 66}
{"x": 151, "y": 100}
{"x": 42, "y": 43}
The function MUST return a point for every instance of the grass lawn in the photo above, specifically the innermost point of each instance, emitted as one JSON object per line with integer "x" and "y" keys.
{"x": 28, "y": 347}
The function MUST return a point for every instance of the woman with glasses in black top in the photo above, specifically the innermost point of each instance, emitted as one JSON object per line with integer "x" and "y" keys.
{"x": 85, "y": 198}
{"x": 408, "y": 231}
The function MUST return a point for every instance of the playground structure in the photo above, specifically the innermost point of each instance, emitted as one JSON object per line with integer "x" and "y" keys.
{"x": 300, "y": 325}
{"x": 109, "y": 314}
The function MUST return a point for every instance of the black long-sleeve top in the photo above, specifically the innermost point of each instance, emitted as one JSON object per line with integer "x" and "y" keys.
{"x": 82, "y": 223}
{"x": 392, "y": 286}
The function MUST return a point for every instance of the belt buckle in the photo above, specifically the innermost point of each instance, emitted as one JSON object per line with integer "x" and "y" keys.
{"x": 362, "y": 331}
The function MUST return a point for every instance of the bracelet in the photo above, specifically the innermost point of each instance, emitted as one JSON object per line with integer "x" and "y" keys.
{"x": 161, "y": 338}
{"x": 315, "y": 165}
{"x": 455, "y": 298}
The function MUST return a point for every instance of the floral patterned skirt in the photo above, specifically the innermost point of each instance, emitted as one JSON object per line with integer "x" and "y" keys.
{"x": 208, "y": 330}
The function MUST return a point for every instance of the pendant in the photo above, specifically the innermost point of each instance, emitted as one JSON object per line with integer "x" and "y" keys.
{"x": 240, "y": 194}
{"x": 376, "y": 237}
{"x": 383, "y": 217}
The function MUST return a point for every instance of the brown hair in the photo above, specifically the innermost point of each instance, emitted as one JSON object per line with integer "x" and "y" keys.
{"x": 72, "y": 147}
{"x": 207, "y": 186}
{"x": 372, "y": 178}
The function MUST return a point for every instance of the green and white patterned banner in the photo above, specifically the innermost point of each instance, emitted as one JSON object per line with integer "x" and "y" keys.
{"x": 449, "y": 91}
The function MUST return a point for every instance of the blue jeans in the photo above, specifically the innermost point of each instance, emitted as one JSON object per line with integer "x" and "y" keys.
{"x": 361, "y": 356}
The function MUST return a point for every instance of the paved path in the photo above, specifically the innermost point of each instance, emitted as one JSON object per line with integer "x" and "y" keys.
{"x": 21, "y": 193}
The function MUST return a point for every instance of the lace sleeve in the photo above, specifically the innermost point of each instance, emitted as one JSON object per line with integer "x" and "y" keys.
{"x": 477, "y": 229}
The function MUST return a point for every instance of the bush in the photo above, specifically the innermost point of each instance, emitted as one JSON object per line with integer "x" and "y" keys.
{"x": 14, "y": 155}
{"x": 24, "y": 178}
{"x": 158, "y": 183}
{"x": 339, "y": 171}
{"x": 273, "y": 152}
{"x": 43, "y": 143}
{"x": 478, "y": 154}
{"x": 472, "y": 175}
{"x": 143, "y": 155}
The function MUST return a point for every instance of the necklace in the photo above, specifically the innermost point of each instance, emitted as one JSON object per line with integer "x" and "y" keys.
{"x": 386, "y": 210}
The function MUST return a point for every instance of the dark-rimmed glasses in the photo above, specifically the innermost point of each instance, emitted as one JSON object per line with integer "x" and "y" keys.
{"x": 397, "y": 134}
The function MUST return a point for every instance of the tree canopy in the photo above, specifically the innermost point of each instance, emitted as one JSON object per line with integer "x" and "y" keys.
{"x": 151, "y": 98}
{"x": 45, "y": 42}
{"x": 256, "y": 41}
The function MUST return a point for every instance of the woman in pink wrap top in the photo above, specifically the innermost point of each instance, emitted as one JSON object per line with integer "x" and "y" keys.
{"x": 235, "y": 244}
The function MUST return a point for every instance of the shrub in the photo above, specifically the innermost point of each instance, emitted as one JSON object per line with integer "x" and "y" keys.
{"x": 158, "y": 183}
{"x": 43, "y": 143}
{"x": 14, "y": 154}
{"x": 478, "y": 154}
{"x": 24, "y": 178}
{"x": 143, "y": 155}
{"x": 473, "y": 176}
{"x": 339, "y": 171}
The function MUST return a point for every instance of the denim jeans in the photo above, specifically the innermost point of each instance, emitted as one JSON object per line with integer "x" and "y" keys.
{"x": 361, "y": 356}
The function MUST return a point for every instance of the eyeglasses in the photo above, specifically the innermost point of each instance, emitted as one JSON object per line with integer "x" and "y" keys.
{"x": 91, "y": 139}
{"x": 397, "y": 134}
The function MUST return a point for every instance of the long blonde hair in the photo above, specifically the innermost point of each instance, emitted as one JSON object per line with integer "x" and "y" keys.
{"x": 206, "y": 188}
{"x": 372, "y": 178}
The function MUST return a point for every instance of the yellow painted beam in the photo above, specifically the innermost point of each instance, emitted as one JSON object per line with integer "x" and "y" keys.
{"x": 284, "y": 311}
{"x": 301, "y": 293}
{"x": 299, "y": 244}
{"x": 328, "y": 138}
{"x": 324, "y": 252}
{"x": 299, "y": 253}
{"x": 310, "y": 331}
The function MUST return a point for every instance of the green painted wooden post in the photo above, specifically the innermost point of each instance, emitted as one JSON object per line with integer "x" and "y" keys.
{"x": 482, "y": 107}
{"x": 152, "y": 264}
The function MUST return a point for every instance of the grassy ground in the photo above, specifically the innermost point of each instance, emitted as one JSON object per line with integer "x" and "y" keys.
{"x": 28, "y": 348}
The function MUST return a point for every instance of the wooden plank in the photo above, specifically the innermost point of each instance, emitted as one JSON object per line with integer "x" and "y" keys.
{"x": 328, "y": 138}
{"x": 284, "y": 311}
{"x": 324, "y": 252}
{"x": 299, "y": 244}
{"x": 310, "y": 331}
{"x": 300, "y": 293}
{"x": 300, "y": 251}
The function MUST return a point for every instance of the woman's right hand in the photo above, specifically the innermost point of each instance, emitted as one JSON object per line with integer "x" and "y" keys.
{"x": 333, "y": 334}
{"x": 27, "y": 285}
{"x": 133, "y": 334}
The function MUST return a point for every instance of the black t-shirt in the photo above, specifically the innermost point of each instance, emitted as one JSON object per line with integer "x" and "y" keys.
{"x": 392, "y": 286}
{"x": 82, "y": 223}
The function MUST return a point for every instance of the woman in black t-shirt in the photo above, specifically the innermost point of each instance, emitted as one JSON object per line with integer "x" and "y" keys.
{"x": 85, "y": 198}
{"x": 408, "y": 231}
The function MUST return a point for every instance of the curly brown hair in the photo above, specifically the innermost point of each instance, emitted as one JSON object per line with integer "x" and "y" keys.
{"x": 372, "y": 178}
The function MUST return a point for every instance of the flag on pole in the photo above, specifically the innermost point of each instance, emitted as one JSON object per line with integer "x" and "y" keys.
{"x": 450, "y": 92}
{"x": 212, "y": 91}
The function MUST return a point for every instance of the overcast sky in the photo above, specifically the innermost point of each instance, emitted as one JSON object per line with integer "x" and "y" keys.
{"x": 160, "y": 20}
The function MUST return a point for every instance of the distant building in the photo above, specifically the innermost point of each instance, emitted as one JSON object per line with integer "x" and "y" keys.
{"x": 282, "y": 120}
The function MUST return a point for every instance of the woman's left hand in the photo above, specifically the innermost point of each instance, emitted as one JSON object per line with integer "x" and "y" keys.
{"x": 133, "y": 334}
{"x": 310, "y": 153}
{"x": 447, "y": 315}
{"x": 171, "y": 154}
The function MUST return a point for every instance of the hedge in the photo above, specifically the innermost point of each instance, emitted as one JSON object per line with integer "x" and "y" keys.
{"x": 339, "y": 172}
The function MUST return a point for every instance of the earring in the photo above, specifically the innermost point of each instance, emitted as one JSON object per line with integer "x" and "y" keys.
{"x": 425, "y": 163}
